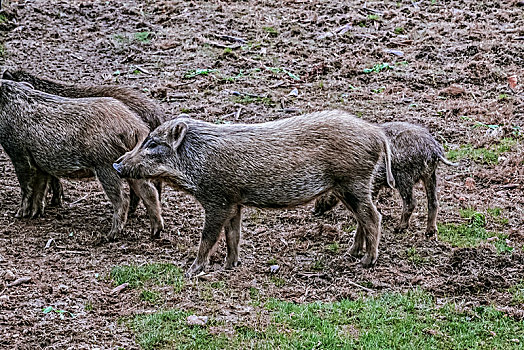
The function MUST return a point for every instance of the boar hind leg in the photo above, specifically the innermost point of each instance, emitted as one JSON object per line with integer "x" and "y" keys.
{"x": 408, "y": 205}
{"x": 368, "y": 219}
{"x": 216, "y": 217}
{"x": 57, "y": 191}
{"x": 232, "y": 231}
{"x": 358, "y": 247}
{"x": 325, "y": 203}
{"x": 149, "y": 195}
{"x": 113, "y": 187}
{"x": 430, "y": 183}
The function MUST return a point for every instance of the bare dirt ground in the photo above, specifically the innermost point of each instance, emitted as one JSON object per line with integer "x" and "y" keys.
{"x": 289, "y": 57}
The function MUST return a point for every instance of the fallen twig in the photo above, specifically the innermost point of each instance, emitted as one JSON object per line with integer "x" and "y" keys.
{"x": 359, "y": 286}
{"x": 78, "y": 200}
{"x": 120, "y": 288}
{"x": 19, "y": 281}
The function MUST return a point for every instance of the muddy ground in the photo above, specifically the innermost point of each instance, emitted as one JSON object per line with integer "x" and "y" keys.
{"x": 450, "y": 62}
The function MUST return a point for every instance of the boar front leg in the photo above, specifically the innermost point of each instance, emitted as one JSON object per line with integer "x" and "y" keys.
{"x": 113, "y": 187}
{"x": 408, "y": 204}
{"x": 149, "y": 195}
{"x": 33, "y": 183}
{"x": 216, "y": 217}
{"x": 232, "y": 231}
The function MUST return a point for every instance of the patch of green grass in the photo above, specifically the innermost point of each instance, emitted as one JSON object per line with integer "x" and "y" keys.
{"x": 482, "y": 155}
{"x": 150, "y": 296}
{"x": 143, "y": 37}
{"x": 378, "y": 68}
{"x": 194, "y": 72}
{"x": 473, "y": 233}
{"x": 503, "y": 97}
{"x": 271, "y": 31}
{"x": 3, "y": 18}
{"x": 88, "y": 306}
{"x": 161, "y": 274}
{"x": 277, "y": 281}
{"x": 2, "y": 50}
{"x": 333, "y": 247}
{"x": 277, "y": 70}
{"x": 517, "y": 293}
{"x": 379, "y": 90}
{"x": 399, "y": 30}
{"x": 318, "y": 265}
{"x": 415, "y": 257}
{"x": 245, "y": 99}
{"x": 388, "y": 321}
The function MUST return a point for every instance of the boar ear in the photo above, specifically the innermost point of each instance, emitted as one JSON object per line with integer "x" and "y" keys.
{"x": 177, "y": 134}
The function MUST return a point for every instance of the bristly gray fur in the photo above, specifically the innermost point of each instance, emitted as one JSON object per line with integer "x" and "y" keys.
{"x": 415, "y": 157}
{"x": 270, "y": 165}
{"x": 49, "y": 136}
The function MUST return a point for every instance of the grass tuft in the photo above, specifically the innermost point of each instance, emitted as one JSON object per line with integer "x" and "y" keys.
{"x": 482, "y": 155}
{"x": 388, "y": 321}
{"x": 162, "y": 274}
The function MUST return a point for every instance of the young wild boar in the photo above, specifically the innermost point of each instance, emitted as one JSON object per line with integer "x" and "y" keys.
{"x": 276, "y": 164}
{"x": 415, "y": 156}
{"x": 146, "y": 109}
{"x": 51, "y": 136}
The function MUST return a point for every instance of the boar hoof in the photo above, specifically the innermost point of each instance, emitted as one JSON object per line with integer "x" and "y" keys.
{"x": 355, "y": 251}
{"x": 231, "y": 265}
{"x": 431, "y": 233}
{"x": 194, "y": 270}
{"x": 368, "y": 260}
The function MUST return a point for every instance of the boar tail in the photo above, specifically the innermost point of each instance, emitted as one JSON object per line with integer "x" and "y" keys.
{"x": 389, "y": 175}
{"x": 446, "y": 161}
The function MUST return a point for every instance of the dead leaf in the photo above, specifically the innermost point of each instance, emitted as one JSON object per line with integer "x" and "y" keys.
{"x": 452, "y": 90}
{"x": 470, "y": 184}
{"x": 512, "y": 81}
{"x": 19, "y": 281}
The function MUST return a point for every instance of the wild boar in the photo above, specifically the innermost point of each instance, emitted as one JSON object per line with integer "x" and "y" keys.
{"x": 48, "y": 136}
{"x": 415, "y": 157}
{"x": 276, "y": 164}
{"x": 145, "y": 108}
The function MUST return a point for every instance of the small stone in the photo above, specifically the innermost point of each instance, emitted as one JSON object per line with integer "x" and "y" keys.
{"x": 9, "y": 276}
{"x": 62, "y": 288}
{"x": 194, "y": 320}
{"x": 274, "y": 268}
{"x": 492, "y": 239}
{"x": 293, "y": 92}
{"x": 515, "y": 340}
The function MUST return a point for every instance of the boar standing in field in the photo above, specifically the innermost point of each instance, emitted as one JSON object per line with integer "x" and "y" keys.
{"x": 146, "y": 109}
{"x": 49, "y": 136}
{"x": 415, "y": 157}
{"x": 276, "y": 164}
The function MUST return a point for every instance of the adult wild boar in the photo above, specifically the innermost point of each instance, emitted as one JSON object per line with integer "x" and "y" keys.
{"x": 48, "y": 136}
{"x": 415, "y": 157}
{"x": 276, "y": 164}
{"x": 145, "y": 108}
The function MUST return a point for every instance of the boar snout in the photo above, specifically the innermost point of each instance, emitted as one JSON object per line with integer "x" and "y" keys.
{"x": 119, "y": 169}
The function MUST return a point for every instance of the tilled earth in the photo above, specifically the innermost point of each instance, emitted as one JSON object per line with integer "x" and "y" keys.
{"x": 449, "y": 64}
